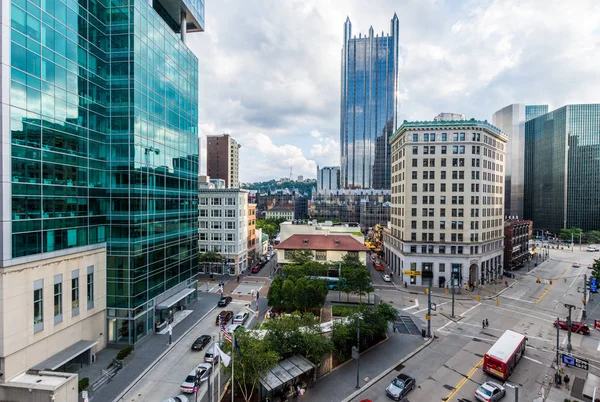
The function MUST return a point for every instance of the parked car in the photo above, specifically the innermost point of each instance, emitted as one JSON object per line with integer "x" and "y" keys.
{"x": 234, "y": 327}
{"x": 490, "y": 391}
{"x": 386, "y": 278}
{"x": 178, "y": 398}
{"x": 187, "y": 386}
{"x": 576, "y": 326}
{"x": 224, "y": 301}
{"x": 592, "y": 248}
{"x": 224, "y": 316}
{"x": 241, "y": 318}
{"x": 256, "y": 268}
{"x": 201, "y": 342}
{"x": 400, "y": 387}
{"x": 211, "y": 354}
{"x": 576, "y": 265}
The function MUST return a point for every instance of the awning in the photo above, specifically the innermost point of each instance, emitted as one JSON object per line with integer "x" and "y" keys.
{"x": 285, "y": 371}
{"x": 175, "y": 298}
{"x": 64, "y": 356}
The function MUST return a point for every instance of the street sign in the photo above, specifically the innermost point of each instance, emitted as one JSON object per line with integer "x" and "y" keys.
{"x": 575, "y": 362}
{"x": 84, "y": 394}
{"x": 433, "y": 306}
{"x": 594, "y": 285}
{"x": 412, "y": 273}
{"x": 355, "y": 353}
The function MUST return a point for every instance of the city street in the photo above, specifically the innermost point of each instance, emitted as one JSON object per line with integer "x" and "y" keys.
{"x": 163, "y": 380}
{"x": 450, "y": 368}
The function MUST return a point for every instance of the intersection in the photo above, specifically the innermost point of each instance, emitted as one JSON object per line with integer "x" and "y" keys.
{"x": 450, "y": 368}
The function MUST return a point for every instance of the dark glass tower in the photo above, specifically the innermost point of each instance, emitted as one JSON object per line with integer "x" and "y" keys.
{"x": 368, "y": 106}
{"x": 100, "y": 127}
{"x": 562, "y": 165}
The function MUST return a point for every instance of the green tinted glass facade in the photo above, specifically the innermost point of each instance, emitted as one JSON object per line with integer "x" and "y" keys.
{"x": 103, "y": 127}
{"x": 562, "y": 161}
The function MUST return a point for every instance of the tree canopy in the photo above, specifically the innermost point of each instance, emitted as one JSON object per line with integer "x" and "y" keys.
{"x": 257, "y": 357}
{"x": 269, "y": 226}
{"x": 297, "y": 293}
{"x": 297, "y": 334}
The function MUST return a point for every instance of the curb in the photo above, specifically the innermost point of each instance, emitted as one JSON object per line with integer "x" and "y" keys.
{"x": 159, "y": 358}
{"x": 388, "y": 370}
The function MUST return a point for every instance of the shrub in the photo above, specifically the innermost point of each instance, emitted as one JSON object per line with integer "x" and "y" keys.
{"x": 343, "y": 311}
{"x": 123, "y": 353}
{"x": 83, "y": 384}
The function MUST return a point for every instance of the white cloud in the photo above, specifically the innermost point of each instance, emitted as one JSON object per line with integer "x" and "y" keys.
{"x": 269, "y": 70}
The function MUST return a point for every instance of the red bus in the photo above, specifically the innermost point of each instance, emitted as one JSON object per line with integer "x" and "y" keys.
{"x": 504, "y": 355}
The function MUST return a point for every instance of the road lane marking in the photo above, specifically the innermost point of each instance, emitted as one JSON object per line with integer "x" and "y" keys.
{"x": 527, "y": 315}
{"x": 477, "y": 305}
{"x": 550, "y": 286}
{"x": 416, "y": 305}
{"x": 533, "y": 360}
{"x": 517, "y": 299}
{"x": 450, "y": 322}
{"x": 598, "y": 349}
{"x": 514, "y": 306}
{"x": 576, "y": 277}
{"x": 463, "y": 381}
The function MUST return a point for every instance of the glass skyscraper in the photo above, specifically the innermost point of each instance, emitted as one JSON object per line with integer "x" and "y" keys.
{"x": 368, "y": 106}
{"x": 562, "y": 165}
{"x": 511, "y": 120}
{"x": 101, "y": 119}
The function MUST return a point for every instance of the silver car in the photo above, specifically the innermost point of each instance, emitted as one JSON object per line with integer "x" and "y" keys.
{"x": 178, "y": 398}
{"x": 490, "y": 391}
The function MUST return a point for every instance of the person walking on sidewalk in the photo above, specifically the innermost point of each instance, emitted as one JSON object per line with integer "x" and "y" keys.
{"x": 487, "y": 324}
{"x": 566, "y": 379}
{"x": 483, "y": 324}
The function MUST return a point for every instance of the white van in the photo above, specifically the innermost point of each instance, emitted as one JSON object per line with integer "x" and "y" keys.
{"x": 211, "y": 355}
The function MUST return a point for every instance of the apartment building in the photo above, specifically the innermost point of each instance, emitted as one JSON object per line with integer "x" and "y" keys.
{"x": 447, "y": 223}
{"x": 251, "y": 233}
{"x": 223, "y": 159}
{"x": 223, "y": 225}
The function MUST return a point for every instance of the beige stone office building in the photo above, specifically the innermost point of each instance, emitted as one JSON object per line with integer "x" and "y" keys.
{"x": 447, "y": 203}
{"x": 52, "y": 319}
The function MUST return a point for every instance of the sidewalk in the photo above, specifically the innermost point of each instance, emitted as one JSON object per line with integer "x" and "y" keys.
{"x": 149, "y": 350}
{"x": 341, "y": 383}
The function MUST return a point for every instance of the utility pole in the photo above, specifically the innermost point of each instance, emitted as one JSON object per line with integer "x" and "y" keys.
{"x": 358, "y": 353}
{"x": 570, "y": 307}
{"x": 452, "y": 315}
{"x": 557, "y": 343}
{"x": 584, "y": 295}
{"x": 429, "y": 311}
{"x": 573, "y": 243}
{"x": 579, "y": 241}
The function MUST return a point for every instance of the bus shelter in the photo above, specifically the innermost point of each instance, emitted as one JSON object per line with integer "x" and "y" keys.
{"x": 286, "y": 376}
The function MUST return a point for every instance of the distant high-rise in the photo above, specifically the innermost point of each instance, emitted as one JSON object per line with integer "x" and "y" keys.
{"x": 562, "y": 161}
{"x": 511, "y": 119}
{"x": 368, "y": 106}
{"x": 328, "y": 178}
{"x": 223, "y": 159}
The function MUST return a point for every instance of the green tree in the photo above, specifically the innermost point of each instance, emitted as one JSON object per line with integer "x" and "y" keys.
{"x": 297, "y": 334}
{"x": 257, "y": 357}
{"x": 301, "y": 257}
{"x": 288, "y": 291}
{"x": 596, "y": 269}
{"x": 210, "y": 258}
{"x": 572, "y": 233}
{"x": 592, "y": 237}
{"x": 275, "y": 298}
{"x": 356, "y": 280}
{"x": 374, "y": 323}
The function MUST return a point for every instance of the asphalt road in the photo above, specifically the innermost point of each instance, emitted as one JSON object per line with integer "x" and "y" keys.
{"x": 163, "y": 380}
{"x": 450, "y": 368}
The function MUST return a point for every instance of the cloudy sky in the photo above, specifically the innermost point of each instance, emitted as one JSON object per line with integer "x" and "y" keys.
{"x": 269, "y": 70}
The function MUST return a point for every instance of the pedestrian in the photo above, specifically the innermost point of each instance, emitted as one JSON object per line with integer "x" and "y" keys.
{"x": 170, "y": 329}
{"x": 238, "y": 279}
{"x": 487, "y": 324}
{"x": 483, "y": 324}
{"x": 566, "y": 379}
